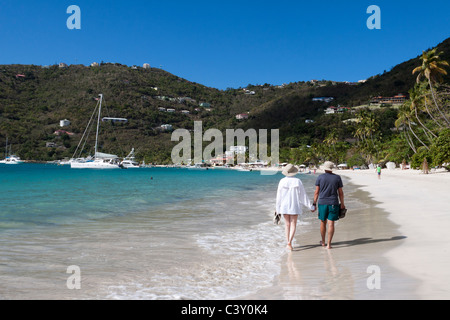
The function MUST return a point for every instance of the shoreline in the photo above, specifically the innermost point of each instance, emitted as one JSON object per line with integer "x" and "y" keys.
{"x": 396, "y": 224}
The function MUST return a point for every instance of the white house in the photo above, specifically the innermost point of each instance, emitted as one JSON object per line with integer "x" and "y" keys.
{"x": 331, "y": 110}
{"x": 323, "y": 99}
{"x": 242, "y": 116}
{"x": 64, "y": 123}
{"x": 115, "y": 120}
{"x": 170, "y": 110}
{"x": 167, "y": 127}
{"x": 146, "y": 66}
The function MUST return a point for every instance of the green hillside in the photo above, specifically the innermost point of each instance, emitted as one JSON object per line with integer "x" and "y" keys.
{"x": 33, "y": 100}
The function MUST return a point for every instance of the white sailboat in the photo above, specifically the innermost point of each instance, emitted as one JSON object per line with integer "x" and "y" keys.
{"x": 129, "y": 161}
{"x": 100, "y": 160}
{"x": 10, "y": 158}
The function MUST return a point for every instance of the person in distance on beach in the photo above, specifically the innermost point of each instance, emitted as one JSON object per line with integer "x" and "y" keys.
{"x": 290, "y": 196}
{"x": 379, "y": 172}
{"x": 329, "y": 191}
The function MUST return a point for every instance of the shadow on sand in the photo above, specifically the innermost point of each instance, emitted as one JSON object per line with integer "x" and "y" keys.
{"x": 349, "y": 243}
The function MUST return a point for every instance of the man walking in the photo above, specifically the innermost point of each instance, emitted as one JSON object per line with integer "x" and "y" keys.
{"x": 329, "y": 192}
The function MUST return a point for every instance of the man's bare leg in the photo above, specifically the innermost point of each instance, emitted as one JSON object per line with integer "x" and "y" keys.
{"x": 330, "y": 233}
{"x": 323, "y": 231}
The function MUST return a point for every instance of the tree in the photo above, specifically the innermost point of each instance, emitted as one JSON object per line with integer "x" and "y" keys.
{"x": 417, "y": 99}
{"x": 441, "y": 148}
{"x": 368, "y": 134}
{"x": 432, "y": 69}
{"x": 402, "y": 124}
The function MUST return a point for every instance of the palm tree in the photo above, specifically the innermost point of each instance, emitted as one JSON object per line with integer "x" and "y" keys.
{"x": 416, "y": 98}
{"x": 432, "y": 70}
{"x": 331, "y": 140}
{"x": 401, "y": 123}
{"x": 425, "y": 94}
{"x": 405, "y": 117}
{"x": 365, "y": 131}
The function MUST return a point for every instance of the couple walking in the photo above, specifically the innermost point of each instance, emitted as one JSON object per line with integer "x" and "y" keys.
{"x": 291, "y": 196}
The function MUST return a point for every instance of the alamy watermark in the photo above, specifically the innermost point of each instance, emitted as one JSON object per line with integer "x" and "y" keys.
{"x": 374, "y": 280}
{"x": 74, "y": 280}
{"x": 374, "y": 21}
{"x": 74, "y": 21}
{"x": 257, "y": 145}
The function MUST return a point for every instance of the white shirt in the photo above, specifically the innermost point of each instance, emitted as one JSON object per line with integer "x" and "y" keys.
{"x": 290, "y": 196}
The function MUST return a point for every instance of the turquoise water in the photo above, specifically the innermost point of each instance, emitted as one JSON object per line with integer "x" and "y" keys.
{"x": 36, "y": 194}
{"x": 153, "y": 233}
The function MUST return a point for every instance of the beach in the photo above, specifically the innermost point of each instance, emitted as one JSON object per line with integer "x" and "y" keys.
{"x": 392, "y": 244}
{"x": 418, "y": 204}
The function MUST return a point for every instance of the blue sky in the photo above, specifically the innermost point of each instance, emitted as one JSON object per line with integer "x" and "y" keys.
{"x": 226, "y": 43}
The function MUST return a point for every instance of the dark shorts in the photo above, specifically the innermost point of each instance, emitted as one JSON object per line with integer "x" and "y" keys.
{"x": 328, "y": 212}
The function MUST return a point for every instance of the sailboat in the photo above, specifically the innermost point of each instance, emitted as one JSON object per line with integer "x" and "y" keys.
{"x": 100, "y": 160}
{"x": 129, "y": 161}
{"x": 10, "y": 158}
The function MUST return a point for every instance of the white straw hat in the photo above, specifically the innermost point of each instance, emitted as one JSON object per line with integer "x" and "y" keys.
{"x": 328, "y": 166}
{"x": 290, "y": 170}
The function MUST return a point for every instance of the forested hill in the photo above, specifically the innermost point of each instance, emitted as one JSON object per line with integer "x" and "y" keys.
{"x": 33, "y": 100}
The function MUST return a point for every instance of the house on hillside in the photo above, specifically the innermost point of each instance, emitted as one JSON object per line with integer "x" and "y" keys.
{"x": 398, "y": 99}
{"x": 166, "y": 127}
{"x": 338, "y": 109}
{"x": 343, "y": 109}
{"x": 61, "y": 132}
{"x": 64, "y": 123}
{"x": 330, "y": 110}
{"x": 114, "y": 120}
{"x": 323, "y": 99}
{"x": 242, "y": 116}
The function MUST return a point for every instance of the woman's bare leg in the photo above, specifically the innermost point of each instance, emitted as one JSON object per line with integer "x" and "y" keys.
{"x": 291, "y": 227}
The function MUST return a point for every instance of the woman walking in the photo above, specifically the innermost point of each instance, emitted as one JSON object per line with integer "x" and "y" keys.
{"x": 290, "y": 196}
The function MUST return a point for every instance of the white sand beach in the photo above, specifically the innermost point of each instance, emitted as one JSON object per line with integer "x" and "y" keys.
{"x": 397, "y": 226}
{"x": 418, "y": 203}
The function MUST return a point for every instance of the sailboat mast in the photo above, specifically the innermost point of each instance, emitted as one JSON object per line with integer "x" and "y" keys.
{"x": 98, "y": 124}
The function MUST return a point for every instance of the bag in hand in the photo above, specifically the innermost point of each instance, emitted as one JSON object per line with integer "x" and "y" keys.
{"x": 277, "y": 218}
{"x": 342, "y": 213}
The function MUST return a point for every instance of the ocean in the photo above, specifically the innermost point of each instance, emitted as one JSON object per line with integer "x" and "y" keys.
{"x": 148, "y": 233}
